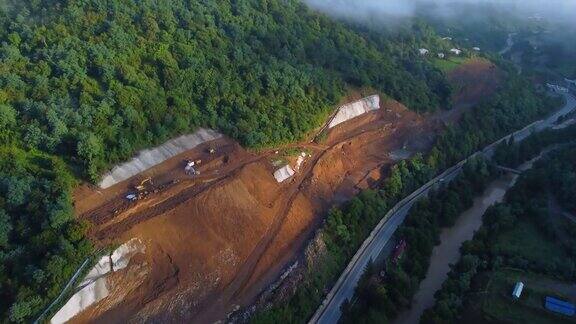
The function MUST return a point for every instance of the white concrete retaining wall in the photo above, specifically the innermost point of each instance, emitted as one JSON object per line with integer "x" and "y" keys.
{"x": 355, "y": 109}
{"x": 149, "y": 158}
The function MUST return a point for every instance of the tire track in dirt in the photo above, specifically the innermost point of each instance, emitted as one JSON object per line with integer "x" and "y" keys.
{"x": 221, "y": 302}
{"x": 116, "y": 229}
{"x": 214, "y": 308}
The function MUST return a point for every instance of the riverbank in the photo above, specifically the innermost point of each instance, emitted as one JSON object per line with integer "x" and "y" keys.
{"x": 448, "y": 252}
{"x": 519, "y": 241}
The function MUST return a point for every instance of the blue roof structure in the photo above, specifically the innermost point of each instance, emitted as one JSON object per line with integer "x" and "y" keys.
{"x": 559, "y": 306}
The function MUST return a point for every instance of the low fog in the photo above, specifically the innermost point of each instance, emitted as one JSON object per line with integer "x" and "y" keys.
{"x": 562, "y": 11}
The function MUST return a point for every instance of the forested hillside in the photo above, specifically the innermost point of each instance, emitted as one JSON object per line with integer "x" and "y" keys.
{"x": 95, "y": 80}
{"x": 84, "y": 84}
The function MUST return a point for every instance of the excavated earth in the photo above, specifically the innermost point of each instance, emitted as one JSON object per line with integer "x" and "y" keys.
{"x": 215, "y": 241}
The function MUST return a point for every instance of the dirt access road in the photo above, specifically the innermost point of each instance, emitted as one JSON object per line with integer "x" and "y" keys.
{"x": 215, "y": 241}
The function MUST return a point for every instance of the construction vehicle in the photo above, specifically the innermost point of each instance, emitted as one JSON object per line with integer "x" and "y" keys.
{"x": 140, "y": 190}
{"x": 189, "y": 168}
{"x": 142, "y": 186}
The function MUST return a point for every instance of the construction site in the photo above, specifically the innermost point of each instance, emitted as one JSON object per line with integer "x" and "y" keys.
{"x": 217, "y": 224}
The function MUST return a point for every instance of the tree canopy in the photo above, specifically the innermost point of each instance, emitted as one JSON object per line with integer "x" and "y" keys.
{"x": 79, "y": 76}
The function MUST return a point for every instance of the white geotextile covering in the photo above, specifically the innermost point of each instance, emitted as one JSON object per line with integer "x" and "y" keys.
{"x": 284, "y": 173}
{"x": 85, "y": 297}
{"x": 122, "y": 255}
{"x": 355, "y": 109}
{"x": 149, "y": 158}
{"x": 94, "y": 286}
{"x": 100, "y": 269}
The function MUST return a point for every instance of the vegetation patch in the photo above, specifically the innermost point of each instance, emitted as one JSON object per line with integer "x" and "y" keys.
{"x": 41, "y": 244}
{"x": 527, "y": 241}
{"x": 449, "y": 64}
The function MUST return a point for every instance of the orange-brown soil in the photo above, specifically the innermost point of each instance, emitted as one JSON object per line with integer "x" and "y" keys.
{"x": 474, "y": 80}
{"x": 216, "y": 240}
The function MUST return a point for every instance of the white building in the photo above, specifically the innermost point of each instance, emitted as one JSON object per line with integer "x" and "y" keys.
{"x": 441, "y": 55}
{"x": 455, "y": 51}
{"x": 423, "y": 51}
{"x": 517, "y": 292}
{"x": 477, "y": 49}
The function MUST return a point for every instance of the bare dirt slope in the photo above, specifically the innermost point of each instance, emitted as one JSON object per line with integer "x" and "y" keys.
{"x": 474, "y": 80}
{"x": 216, "y": 240}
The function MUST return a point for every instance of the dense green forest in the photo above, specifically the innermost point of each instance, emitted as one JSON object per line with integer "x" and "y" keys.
{"x": 379, "y": 299}
{"x": 515, "y": 105}
{"x": 512, "y": 154}
{"x": 40, "y": 243}
{"x": 93, "y": 81}
{"x": 520, "y": 238}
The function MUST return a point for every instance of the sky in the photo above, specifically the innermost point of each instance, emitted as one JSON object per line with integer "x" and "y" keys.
{"x": 559, "y": 10}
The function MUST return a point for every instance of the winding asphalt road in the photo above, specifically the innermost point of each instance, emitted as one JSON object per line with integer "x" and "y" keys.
{"x": 329, "y": 311}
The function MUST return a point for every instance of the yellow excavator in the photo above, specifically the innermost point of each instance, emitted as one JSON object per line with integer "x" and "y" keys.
{"x": 140, "y": 190}
{"x": 142, "y": 186}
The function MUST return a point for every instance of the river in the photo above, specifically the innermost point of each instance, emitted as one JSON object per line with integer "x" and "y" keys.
{"x": 448, "y": 252}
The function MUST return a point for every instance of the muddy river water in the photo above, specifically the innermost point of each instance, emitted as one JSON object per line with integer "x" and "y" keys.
{"x": 448, "y": 252}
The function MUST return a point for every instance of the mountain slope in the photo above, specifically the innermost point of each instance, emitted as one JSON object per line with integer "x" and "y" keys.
{"x": 84, "y": 76}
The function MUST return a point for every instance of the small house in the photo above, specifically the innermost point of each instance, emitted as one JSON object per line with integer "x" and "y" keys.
{"x": 456, "y": 51}
{"x": 517, "y": 292}
{"x": 441, "y": 55}
{"x": 423, "y": 51}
